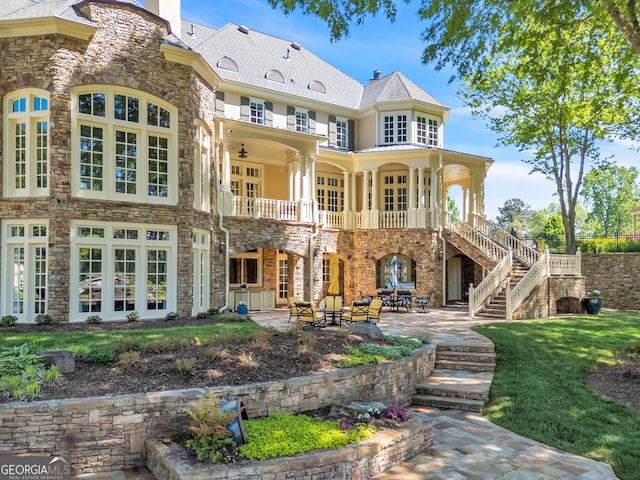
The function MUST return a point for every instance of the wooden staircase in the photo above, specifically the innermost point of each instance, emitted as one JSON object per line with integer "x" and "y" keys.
{"x": 461, "y": 379}
{"x": 497, "y": 306}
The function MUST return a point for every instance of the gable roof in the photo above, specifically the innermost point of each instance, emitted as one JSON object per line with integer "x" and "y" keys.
{"x": 395, "y": 87}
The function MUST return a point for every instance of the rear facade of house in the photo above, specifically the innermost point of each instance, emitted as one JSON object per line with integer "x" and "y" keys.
{"x": 157, "y": 165}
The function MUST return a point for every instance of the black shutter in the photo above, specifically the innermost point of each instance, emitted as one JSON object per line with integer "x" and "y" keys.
{"x": 312, "y": 122}
{"x": 268, "y": 113}
{"x": 332, "y": 131}
{"x": 291, "y": 118}
{"x": 245, "y": 110}
{"x": 351, "y": 134}
{"x": 219, "y": 103}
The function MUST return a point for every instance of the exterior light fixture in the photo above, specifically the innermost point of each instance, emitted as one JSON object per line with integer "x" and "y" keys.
{"x": 440, "y": 253}
{"x": 365, "y": 252}
{"x": 243, "y": 153}
{"x": 222, "y": 246}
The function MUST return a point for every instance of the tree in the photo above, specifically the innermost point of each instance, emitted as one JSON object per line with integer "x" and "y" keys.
{"x": 611, "y": 191}
{"x": 554, "y": 233}
{"x": 452, "y": 207}
{"x": 515, "y": 217}
{"x": 461, "y": 31}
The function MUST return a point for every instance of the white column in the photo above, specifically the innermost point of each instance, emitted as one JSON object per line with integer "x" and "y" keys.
{"x": 465, "y": 204}
{"x": 421, "y": 197}
{"x": 412, "y": 188}
{"x": 374, "y": 190}
{"x": 346, "y": 191}
{"x": 226, "y": 166}
{"x": 365, "y": 191}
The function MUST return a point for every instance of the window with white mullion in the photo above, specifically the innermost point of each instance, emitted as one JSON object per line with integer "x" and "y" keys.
{"x": 342, "y": 134}
{"x": 302, "y": 121}
{"x": 389, "y": 129}
{"x": 126, "y": 146}
{"x": 25, "y": 274}
{"x": 126, "y": 162}
{"x": 124, "y": 281}
{"x": 26, "y": 122}
{"x": 202, "y": 171}
{"x": 330, "y": 193}
{"x": 246, "y": 180}
{"x": 256, "y": 110}
{"x": 433, "y": 139}
{"x": 395, "y": 128}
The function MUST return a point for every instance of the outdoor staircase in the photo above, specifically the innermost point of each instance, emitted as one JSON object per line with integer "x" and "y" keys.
{"x": 461, "y": 379}
{"x": 497, "y": 306}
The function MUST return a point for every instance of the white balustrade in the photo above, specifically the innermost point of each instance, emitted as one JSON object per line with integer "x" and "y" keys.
{"x": 393, "y": 219}
{"x": 496, "y": 279}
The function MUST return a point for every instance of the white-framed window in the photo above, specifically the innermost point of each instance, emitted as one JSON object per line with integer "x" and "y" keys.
{"x": 118, "y": 268}
{"x": 201, "y": 270}
{"x": 330, "y": 192}
{"x": 342, "y": 133}
{"x": 427, "y": 131}
{"x": 246, "y": 269}
{"x": 395, "y": 128}
{"x": 405, "y": 269}
{"x": 125, "y": 146}
{"x": 256, "y": 111}
{"x": 26, "y": 140}
{"x": 326, "y": 270}
{"x": 201, "y": 170}
{"x": 395, "y": 193}
{"x": 283, "y": 277}
{"x": 25, "y": 272}
{"x": 302, "y": 121}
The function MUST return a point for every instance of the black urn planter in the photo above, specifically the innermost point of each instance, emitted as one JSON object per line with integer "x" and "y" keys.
{"x": 592, "y": 305}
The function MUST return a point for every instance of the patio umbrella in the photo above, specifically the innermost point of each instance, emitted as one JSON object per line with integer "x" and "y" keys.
{"x": 334, "y": 275}
{"x": 394, "y": 272}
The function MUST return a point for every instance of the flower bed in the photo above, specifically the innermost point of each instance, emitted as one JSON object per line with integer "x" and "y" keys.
{"x": 168, "y": 460}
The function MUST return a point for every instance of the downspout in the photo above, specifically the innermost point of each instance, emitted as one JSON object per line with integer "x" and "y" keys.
{"x": 444, "y": 263}
{"x": 314, "y": 235}
{"x": 226, "y": 232}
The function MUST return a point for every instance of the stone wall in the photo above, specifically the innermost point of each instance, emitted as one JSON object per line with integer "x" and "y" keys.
{"x": 616, "y": 276}
{"x": 103, "y": 434}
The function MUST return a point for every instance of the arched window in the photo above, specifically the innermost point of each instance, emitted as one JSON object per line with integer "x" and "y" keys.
{"x": 26, "y": 123}
{"x": 405, "y": 271}
{"x": 317, "y": 86}
{"x": 275, "y": 76}
{"x": 228, "y": 64}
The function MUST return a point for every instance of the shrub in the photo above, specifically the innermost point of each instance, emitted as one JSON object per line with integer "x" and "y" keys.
{"x": 15, "y": 360}
{"x": 51, "y": 375}
{"x": 213, "y": 311}
{"x": 208, "y": 428}
{"x": 8, "y": 321}
{"x": 171, "y": 316}
{"x": 246, "y": 360}
{"x": 93, "y": 319}
{"x": 44, "y": 319}
{"x": 157, "y": 346}
{"x": 100, "y": 356}
{"x": 397, "y": 413}
{"x": 133, "y": 316}
{"x": 130, "y": 361}
{"x": 185, "y": 365}
{"x": 126, "y": 344}
{"x": 202, "y": 315}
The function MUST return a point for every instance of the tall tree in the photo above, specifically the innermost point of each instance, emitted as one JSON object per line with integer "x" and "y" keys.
{"x": 611, "y": 191}
{"x": 515, "y": 217}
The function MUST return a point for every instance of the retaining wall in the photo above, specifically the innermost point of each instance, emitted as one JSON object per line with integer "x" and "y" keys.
{"x": 103, "y": 434}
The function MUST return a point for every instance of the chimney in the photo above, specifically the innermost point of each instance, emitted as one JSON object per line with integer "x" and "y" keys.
{"x": 376, "y": 76}
{"x": 169, "y": 10}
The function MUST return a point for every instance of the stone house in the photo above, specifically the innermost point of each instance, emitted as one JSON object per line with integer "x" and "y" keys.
{"x": 157, "y": 165}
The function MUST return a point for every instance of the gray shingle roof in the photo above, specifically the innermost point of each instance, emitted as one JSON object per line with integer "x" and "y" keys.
{"x": 395, "y": 87}
{"x": 25, "y": 9}
{"x": 256, "y": 53}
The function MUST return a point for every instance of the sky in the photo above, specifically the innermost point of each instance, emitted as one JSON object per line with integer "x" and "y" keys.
{"x": 381, "y": 45}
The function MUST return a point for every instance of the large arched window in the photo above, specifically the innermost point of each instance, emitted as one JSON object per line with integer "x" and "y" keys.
{"x": 26, "y": 140}
{"x": 125, "y": 146}
{"x": 406, "y": 271}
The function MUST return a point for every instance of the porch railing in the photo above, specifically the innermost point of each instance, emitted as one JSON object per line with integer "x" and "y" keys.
{"x": 265, "y": 208}
{"x": 476, "y": 238}
{"x": 566, "y": 264}
{"x": 332, "y": 220}
{"x": 393, "y": 219}
{"x": 497, "y": 278}
{"x": 520, "y": 249}
{"x": 516, "y": 295}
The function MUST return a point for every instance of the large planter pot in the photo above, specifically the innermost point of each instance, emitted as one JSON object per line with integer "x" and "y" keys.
{"x": 243, "y": 309}
{"x": 592, "y": 305}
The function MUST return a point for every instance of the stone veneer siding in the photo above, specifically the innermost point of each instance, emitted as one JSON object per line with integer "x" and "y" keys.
{"x": 124, "y": 51}
{"x": 616, "y": 276}
{"x": 103, "y": 434}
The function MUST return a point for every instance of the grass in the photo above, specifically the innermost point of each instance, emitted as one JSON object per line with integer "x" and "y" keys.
{"x": 109, "y": 340}
{"x": 538, "y": 391}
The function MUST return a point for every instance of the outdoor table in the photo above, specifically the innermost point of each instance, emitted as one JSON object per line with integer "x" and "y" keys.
{"x": 333, "y": 313}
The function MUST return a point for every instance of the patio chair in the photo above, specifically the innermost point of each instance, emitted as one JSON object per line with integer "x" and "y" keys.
{"x": 332, "y": 307}
{"x": 364, "y": 297}
{"x": 386, "y": 296}
{"x": 359, "y": 312}
{"x": 424, "y": 302}
{"x": 307, "y": 313}
{"x": 404, "y": 299}
{"x": 375, "y": 308}
{"x": 293, "y": 310}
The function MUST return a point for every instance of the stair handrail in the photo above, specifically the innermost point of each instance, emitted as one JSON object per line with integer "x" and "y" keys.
{"x": 517, "y": 294}
{"x": 476, "y": 238}
{"x": 520, "y": 249}
{"x": 478, "y": 296}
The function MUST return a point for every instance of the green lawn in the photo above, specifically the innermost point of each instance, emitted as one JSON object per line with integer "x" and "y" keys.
{"x": 538, "y": 391}
{"x": 108, "y": 340}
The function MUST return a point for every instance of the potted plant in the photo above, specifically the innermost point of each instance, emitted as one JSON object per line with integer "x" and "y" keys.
{"x": 243, "y": 309}
{"x": 593, "y": 302}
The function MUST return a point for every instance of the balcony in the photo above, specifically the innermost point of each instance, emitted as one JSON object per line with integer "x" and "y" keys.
{"x": 306, "y": 211}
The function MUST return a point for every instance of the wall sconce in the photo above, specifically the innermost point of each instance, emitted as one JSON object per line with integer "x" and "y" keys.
{"x": 222, "y": 246}
{"x": 316, "y": 251}
{"x": 440, "y": 253}
{"x": 243, "y": 153}
{"x": 365, "y": 252}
